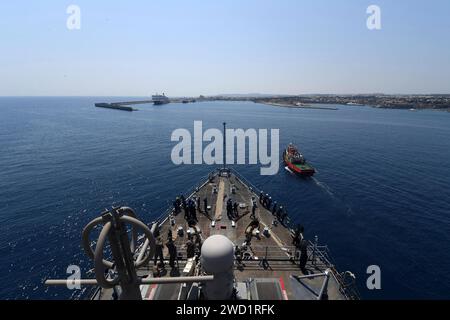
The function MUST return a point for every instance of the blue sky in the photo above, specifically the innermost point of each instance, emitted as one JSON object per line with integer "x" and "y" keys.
{"x": 193, "y": 47}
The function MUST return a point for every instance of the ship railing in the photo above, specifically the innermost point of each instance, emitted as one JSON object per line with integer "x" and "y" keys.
{"x": 348, "y": 289}
{"x": 320, "y": 252}
{"x": 260, "y": 253}
{"x": 270, "y": 253}
{"x": 277, "y": 253}
{"x": 318, "y": 256}
{"x": 266, "y": 254}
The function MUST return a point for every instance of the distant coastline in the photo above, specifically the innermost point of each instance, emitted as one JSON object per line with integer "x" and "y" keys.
{"x": 402, "y": 102}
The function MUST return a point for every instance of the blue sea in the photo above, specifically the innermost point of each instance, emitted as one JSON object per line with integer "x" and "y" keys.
{"x": 381, "y": 195}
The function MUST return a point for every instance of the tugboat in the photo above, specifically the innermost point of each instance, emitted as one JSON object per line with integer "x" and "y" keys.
{"x": 296, "y": 162}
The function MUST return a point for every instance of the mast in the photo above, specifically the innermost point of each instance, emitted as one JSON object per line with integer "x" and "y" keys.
{"x": 224, "y": 145}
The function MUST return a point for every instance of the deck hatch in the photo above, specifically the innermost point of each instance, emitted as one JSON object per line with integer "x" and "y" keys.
{"x": 265, "y": 289}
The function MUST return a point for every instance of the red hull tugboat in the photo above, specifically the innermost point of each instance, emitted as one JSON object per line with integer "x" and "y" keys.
{"x": 296, "y": 162}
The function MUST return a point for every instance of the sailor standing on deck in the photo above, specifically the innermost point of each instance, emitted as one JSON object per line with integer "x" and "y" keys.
{"x": 230, "y": 209}
{"x": 284, "y": 215}
{"x": 190, "y": 249}
{"x": 198, "y": 204}
{"x": 172, "y": 252}
{"x": 159, "y": 252}
{"x": 176, "y": 207}
{"x": 238, "y": 255}
{"x": 274, "y": 209}
{"x": 198, "y": 244}
{"x": 298, "y": 236}
{"x": 185, "y": 208}
{"x": 235, "y": 210}
{"x": 303, "y": 255}
{"x": 261, "y": 197}
{"x": 205, "y": 204}
{"x": 193, "y": 211}
{"x": 253, "y": 216}
{"x": 269, "y": 203}
{"x": 279, "y": 212}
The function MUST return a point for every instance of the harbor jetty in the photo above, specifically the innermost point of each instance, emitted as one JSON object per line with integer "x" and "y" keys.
{"x": 125, "y": 105}
{"x": 156, "y": 100}
{"x": 296, "y": 106}
{"x": 130, "y": 103}
{"x": 115, "y": 106}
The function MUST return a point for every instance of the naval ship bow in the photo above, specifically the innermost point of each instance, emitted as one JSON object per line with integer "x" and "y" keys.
{"x": 224, "y": 240}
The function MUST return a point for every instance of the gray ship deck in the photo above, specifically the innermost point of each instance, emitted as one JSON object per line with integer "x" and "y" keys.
{"x": 269, "y": 262}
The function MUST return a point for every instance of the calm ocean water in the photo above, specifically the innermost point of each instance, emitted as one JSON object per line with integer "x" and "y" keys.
{"x": 381, "y": 195}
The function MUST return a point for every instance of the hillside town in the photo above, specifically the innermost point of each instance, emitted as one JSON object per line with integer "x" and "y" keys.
{"x": 416, "y": 102}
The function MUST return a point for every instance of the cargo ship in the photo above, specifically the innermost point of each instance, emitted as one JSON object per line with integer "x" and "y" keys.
{"x": 296, "y": 162}
{"x": 160, "y": 99}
